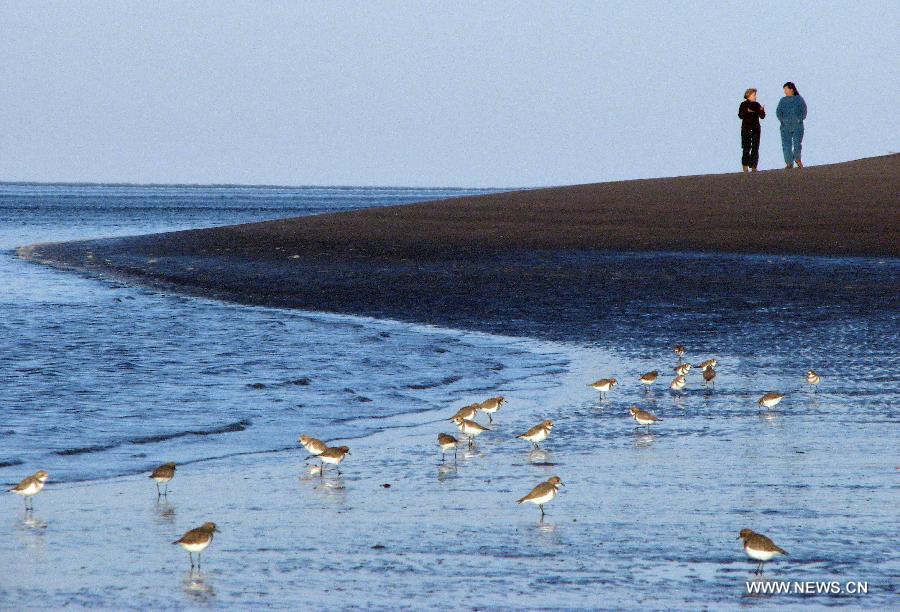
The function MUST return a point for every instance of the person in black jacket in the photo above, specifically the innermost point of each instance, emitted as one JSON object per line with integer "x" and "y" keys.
{"x": 750, "y": 111}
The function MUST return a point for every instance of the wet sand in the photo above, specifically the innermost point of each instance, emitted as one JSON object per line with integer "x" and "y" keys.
{"x": 646, "y": 519}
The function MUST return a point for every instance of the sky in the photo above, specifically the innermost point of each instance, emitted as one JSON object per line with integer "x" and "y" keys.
{"x": 467, "y": 94}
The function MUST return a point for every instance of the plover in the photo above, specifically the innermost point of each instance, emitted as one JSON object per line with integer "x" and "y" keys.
{"x": 162, "y": 475}
{"x": 759, "y": 548}
{"x": 543, "y": 493}
{"x": 813, "y": 379}
{"x": 679, "y": 351}
{"x": 683, "y": 369}
{"x": 490, "y": 406}
{"x": 709, "y": 374}
{"x": 447, "y": 442}
{"x": 603, "y": 385}
{"x": 313, "y": 446}
{"x": 678, "y": 383}
{"x": 538, "y": 433}
{"x": 643, "y": 417}
{"x": 770, "y": 400}
{"x": 334, "y": 456}
{"x": 467, "y": 412}
{"x": 470, "y": 428}
{"x": 196, "y": 540}
{"x": 30, "y": 487}
{"x": 649, "y": 378}
{"x": 709, "y": 363}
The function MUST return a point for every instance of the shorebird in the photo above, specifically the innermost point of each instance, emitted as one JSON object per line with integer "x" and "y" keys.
{"x": 30, "y": 487}
{"x": 467, "y": 412}
{"x": 490, "y": 406}
{"x": 759, "y": 548}
{"x": 543, "y": 493}
{"x": 196, "y": 540}
{"x": 683, "y": 369}
{"x": 678, "y": 383}
{"x": 770, "y": 400}
{"x": 649, "y": 378}
{"x": 679, "y": 351}
{"x": 709, "y": 363}
{"x": 603, "y": 385}
{"x": 333, "y": 455}
{"x": 813, "y": 379}
{"x": 470, "y": 428}
{"x": 447, "y": 442}
{"x": 538, "y": 433}
{"x": 709, "y": 374}
{"x": 162, "y": 475}
{"x": 313, "y": 446}
{"x": 643, "y": 417}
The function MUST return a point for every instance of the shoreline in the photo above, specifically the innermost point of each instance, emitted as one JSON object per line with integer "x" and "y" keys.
{"x": 510, "y": 262}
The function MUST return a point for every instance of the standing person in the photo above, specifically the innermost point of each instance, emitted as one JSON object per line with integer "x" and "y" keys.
{"x": 750, "y": 111}
{"x": 791, "y": 112}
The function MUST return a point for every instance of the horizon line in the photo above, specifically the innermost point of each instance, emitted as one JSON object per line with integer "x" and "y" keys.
{"x": 256, "y": 185}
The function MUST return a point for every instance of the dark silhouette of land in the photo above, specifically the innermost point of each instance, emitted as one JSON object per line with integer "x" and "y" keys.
{"x": 529, "y": 256}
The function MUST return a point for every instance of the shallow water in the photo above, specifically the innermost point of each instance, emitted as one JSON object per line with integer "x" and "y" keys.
{"x": 100, "y": 381}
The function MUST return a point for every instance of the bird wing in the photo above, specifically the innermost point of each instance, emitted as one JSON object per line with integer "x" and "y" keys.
{"x": 30, "y": 481}
{"x": 532, "y": 431}
{"x": 761, "y": 542}
{"x": 539, "y": 491}
{"x": 194, "y": 536}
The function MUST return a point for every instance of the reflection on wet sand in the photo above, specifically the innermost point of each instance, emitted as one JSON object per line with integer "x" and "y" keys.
{"x": 31, "y": 530}
{"x": 196, "y": 587}
{"x": 539, "y": 456}
{"x": 472, "y": 453}
{"x": 331, "y": 486}
{"x": 165, "y": 511}
{"x": 642, "y": 439}
{"x": 445, "y": 472}
{"x": 33, "y": 523}
{"x": 769, "y": 416}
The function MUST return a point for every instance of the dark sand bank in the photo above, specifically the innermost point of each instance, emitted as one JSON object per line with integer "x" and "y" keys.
{"x": 541, "y": 262}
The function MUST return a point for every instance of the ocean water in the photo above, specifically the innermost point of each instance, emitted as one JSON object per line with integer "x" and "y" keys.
{"x": 100, "y": 382}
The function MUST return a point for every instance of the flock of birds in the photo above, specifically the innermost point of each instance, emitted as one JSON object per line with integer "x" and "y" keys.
{"x": 757, "y": 546}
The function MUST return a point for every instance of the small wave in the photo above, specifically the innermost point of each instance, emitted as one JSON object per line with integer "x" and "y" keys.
{"x": 10, "y": 462}
{"x": 85, "y": 449}
{"x": 229, "y": 428}
{"x": 431, "y": 385}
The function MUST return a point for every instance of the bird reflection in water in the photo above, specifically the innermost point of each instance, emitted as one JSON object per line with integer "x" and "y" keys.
{"x": 165, "y": 511}
{"x": 446, "y": 472}
{"x": 196, "y": 587}
{"x": 539, "y": 456}
{"x": 643, "y": 439}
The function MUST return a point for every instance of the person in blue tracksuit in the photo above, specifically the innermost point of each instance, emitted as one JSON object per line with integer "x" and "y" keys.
{"x": 791, "y": 112}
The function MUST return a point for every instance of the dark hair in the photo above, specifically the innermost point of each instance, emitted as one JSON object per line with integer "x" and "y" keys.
{"x": 792, "y": 87}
